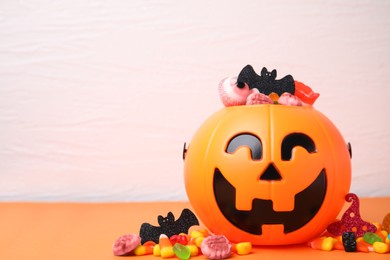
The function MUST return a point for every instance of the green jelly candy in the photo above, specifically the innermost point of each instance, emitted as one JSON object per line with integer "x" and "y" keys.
{"x": 371, "y": 238}
{"x": 181, "y": 251}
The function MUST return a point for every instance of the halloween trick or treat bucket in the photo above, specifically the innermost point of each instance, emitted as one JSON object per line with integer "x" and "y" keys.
{"x": 266, "y": 171}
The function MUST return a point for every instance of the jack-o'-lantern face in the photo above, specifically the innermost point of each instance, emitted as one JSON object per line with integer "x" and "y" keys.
{"x": 269, "y": 174}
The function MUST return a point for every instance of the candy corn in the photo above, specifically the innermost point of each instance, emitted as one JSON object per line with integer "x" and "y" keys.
{"x": 166, "y": 249}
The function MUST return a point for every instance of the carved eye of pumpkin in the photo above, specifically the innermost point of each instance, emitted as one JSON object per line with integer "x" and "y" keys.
{"x": 248, "y": 140}
{"x": 296, "y": 139}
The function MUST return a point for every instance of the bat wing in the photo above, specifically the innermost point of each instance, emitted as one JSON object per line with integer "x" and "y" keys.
{"x": 186, "y": 220}
{"x": 285, "y": 84}
{"x": 248, "y": 76}
{"x": 149, "y": 232}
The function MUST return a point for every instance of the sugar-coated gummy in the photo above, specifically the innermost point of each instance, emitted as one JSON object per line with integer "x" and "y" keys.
{"x": 125, "y": 244}
{"x": 181, "y": 251}
{"x": 371, "y": 238}
{"x": 258, "y": 99}
{"x": 289, "y": 100}
{"x": 216, "y": 247}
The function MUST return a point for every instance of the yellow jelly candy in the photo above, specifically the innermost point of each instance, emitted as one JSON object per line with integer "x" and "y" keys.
{"x": 244, "y": 248}
{"x": 194, "y": 250}
{"x": 198, "y": 241}
{"x": 140, "y": 250}
{"x": 327, "y": 244}
{"x": 196, "y": 233}
{"x": 380, "y": 247}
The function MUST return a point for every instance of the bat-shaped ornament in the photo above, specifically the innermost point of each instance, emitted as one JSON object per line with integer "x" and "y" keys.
{"x": 168, "y": 226}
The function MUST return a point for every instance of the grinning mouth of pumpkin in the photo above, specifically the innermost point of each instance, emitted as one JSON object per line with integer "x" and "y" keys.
{"x": 306, "y": 205}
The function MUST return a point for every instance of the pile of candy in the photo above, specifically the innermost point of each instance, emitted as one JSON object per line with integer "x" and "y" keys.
{"x": 378, "y": 242}
{"x": 249, "y": 88}
{"x": 231, "y": 95}
{"x": 182, "y": 246}
{"x": 353, "y": 234}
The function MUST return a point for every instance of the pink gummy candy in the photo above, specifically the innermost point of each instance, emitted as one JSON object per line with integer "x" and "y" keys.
{"x": 289, "y": 100}
{"x": 258, "y": 99}
{"x": 351, "y": 220}
{"x": 231, "y": 94}
{"x": 216, "y": 247}
{"x": 125, "y": 244}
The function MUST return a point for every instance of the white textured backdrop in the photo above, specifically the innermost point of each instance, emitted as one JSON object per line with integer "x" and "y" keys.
{"x": 98, "y": 97}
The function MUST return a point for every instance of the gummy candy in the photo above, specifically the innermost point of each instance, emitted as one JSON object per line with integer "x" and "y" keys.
{"x": 216, "y": 247}
{"x": 258, "y": 99}
{"x": 305, "y": 93}
{"x": 194, "y": 250}
{"x": 125, "y": 244}
{"x": 182, "y": 239}
{"x": 289, "y": 100}
{"x": 380, "y": 247}
{"x": 244, "y": 248}
{"x": 371, "y": 238}
{"x": 181, "y": 251}
{"x": 233, "y": 95}
{"x": 351, "y": 220}
{"x": 274, "y": 96}
{"x": 243, "y": 90}
{"x": 198, "y": 241}
{"x": 349, "y": 241}
{"x": 196, "y": 233}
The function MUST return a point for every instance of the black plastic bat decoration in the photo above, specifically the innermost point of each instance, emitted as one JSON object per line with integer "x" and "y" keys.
{"x": 266, "y": 83}
{"x": 168, "y": 226}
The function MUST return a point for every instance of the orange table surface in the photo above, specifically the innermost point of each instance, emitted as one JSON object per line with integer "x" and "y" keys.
{"x": 87, "y": 230}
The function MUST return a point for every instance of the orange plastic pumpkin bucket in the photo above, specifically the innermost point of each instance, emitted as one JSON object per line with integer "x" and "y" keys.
{"x": 267, "y": 174}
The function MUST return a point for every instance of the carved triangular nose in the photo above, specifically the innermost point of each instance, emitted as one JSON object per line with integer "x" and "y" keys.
{"x": 271, "y": 174}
